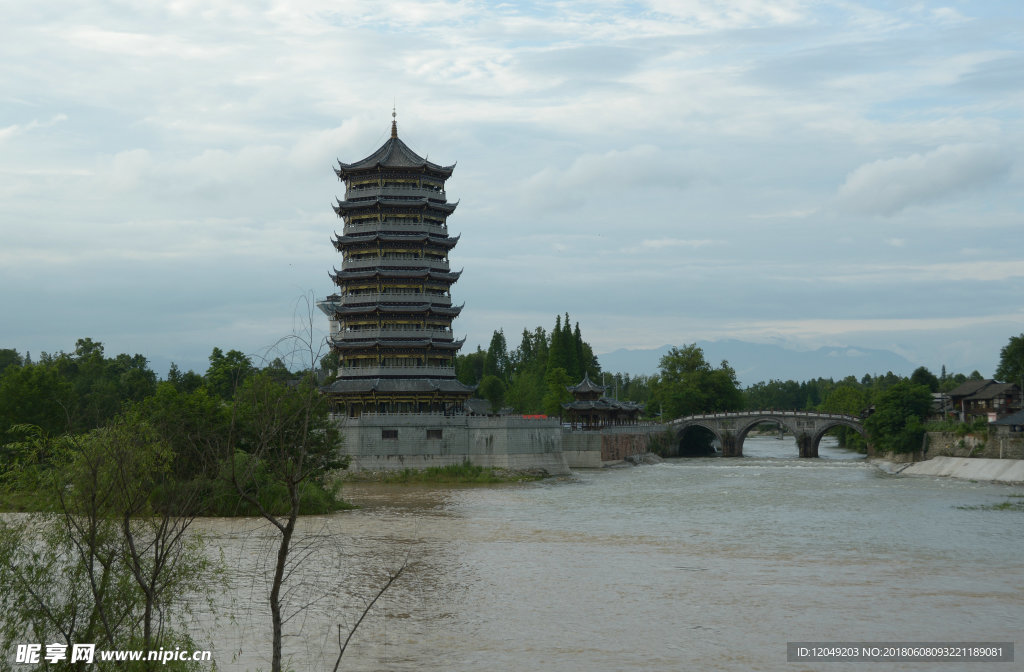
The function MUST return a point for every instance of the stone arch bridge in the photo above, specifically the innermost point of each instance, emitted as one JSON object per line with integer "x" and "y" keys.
{"x": 732, "y": 428}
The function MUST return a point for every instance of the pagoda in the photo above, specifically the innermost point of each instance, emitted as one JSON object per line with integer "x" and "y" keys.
{"x": 391, "y": 319}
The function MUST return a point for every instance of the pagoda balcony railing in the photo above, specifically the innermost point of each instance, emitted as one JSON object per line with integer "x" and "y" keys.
{"x": 396, "y": 297}
{"x": 391, "y": 332}
{"x": 374, "y": 190}
{"x": 395, "y": 225}
{"x": 403, "y": 261}
{"x": 396, "y": 371}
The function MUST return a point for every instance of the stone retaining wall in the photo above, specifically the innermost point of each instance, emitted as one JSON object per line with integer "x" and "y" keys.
{"x": 380, "y": 442}
{"x": 990, "y": 445}
{"x": 593, "y": 449}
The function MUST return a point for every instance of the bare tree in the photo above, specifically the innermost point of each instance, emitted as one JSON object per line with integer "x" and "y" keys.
{"x": 342, "y": 645}
{"x": 283, "y": 447}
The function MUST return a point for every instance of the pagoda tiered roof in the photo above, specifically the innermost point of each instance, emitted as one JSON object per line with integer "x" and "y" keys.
{"x": 343, "y": 207}
{"x": 395, "y": 273}
{"x": 391, "y": 321}
{"x": 392, "y": 154}
{"x": 381, "y": 307}
{"x": 352, "y": 344}
{"x": 447, "y": 242}
{"x": 365, "y": 385}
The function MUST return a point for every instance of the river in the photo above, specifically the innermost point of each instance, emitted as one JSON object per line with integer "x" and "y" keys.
{"x": 693, "y": 564}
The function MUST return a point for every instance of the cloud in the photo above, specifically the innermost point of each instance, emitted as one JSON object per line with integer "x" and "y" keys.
{"x": 642, "y": 166}
{"x": 17, "y": 129}
{"x": 888, "y": 186}
{"x": 650, "y": 244}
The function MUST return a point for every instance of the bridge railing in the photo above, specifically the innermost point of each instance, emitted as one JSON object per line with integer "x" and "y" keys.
{"x": 770, "y": 413}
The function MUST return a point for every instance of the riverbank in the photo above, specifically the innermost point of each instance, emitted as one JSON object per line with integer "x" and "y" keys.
{"x": 452, "y": 474}
{"x": 970, "y": 468}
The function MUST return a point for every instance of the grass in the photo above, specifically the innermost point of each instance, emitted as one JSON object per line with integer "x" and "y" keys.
{"x": 1008, "y": 505}
{"x": 24, "y": 501}
{"x": 465, "y": 473}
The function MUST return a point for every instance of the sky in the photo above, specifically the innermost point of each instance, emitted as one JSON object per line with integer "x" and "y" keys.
{"x": 804, "y": 174}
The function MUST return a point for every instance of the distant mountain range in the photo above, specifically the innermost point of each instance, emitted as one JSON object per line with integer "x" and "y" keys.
{"x": 756, "y": 362}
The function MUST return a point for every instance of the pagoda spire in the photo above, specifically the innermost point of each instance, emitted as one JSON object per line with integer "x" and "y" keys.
{"x": 394, "y": 124}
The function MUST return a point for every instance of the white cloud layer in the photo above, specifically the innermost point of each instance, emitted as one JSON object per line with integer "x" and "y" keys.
{"x": 887, "y": 186}
{"x": 666, "y": 171}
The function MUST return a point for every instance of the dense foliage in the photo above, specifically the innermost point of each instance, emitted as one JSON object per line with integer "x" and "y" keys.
{"x": 688, "y": 385}
{"x": 206, "y": 424}
{"x": 1011, "y": 361}
{"x": 533, "y": 376}
{"x": 897, "y": 423}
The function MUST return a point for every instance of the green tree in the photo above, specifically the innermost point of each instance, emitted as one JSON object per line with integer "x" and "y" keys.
{"x": 896, "y": 425}
{"x": 953, "y": 381}
{"x": 184, "y": 382}
{"x": 36, "y": 394}
{"x": 227, "y": 372}
{"x": 849, "y": 399}
{"x": 532, "y": 353}
{"x": 277, "y": 370}
{"x": 556, "y": 382}
{"x": 9, "y": 357}
{"x": 493, "y": 390}
{"x": 113, "y": 564}
{"x": 329, "y": 364}
{"x": 496, "y": 363}
{"x": 687, "y": 384}
{"x": 922, "y": 376}
{"x": 526, "y": 392}
{"x": 194, "y": 424}
{"x": 1011, "y": 361}
{"x": 469, "y": 369}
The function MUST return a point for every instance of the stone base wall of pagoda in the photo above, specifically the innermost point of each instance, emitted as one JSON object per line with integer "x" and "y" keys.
{"x": 384, "y": 442}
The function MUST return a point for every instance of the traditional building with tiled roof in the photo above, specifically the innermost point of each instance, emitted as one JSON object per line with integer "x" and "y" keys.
{"x": 985, "y": 397}
{"x": 590, "y": 409}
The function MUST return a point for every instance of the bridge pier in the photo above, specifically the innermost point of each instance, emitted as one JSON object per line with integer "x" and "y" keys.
{"x": 805, "y": 442}
{"x": 731, "y": 446}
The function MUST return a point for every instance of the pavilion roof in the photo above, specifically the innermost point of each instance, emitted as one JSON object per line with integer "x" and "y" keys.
{"x": 586, "y": 386}
{"x": 603, "y": 404}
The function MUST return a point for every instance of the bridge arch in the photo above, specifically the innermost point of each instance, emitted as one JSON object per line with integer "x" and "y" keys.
{"x": 682, "y": 435}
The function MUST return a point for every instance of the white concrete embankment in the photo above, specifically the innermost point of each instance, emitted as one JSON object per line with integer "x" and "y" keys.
{"x": 973, "y": 468}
